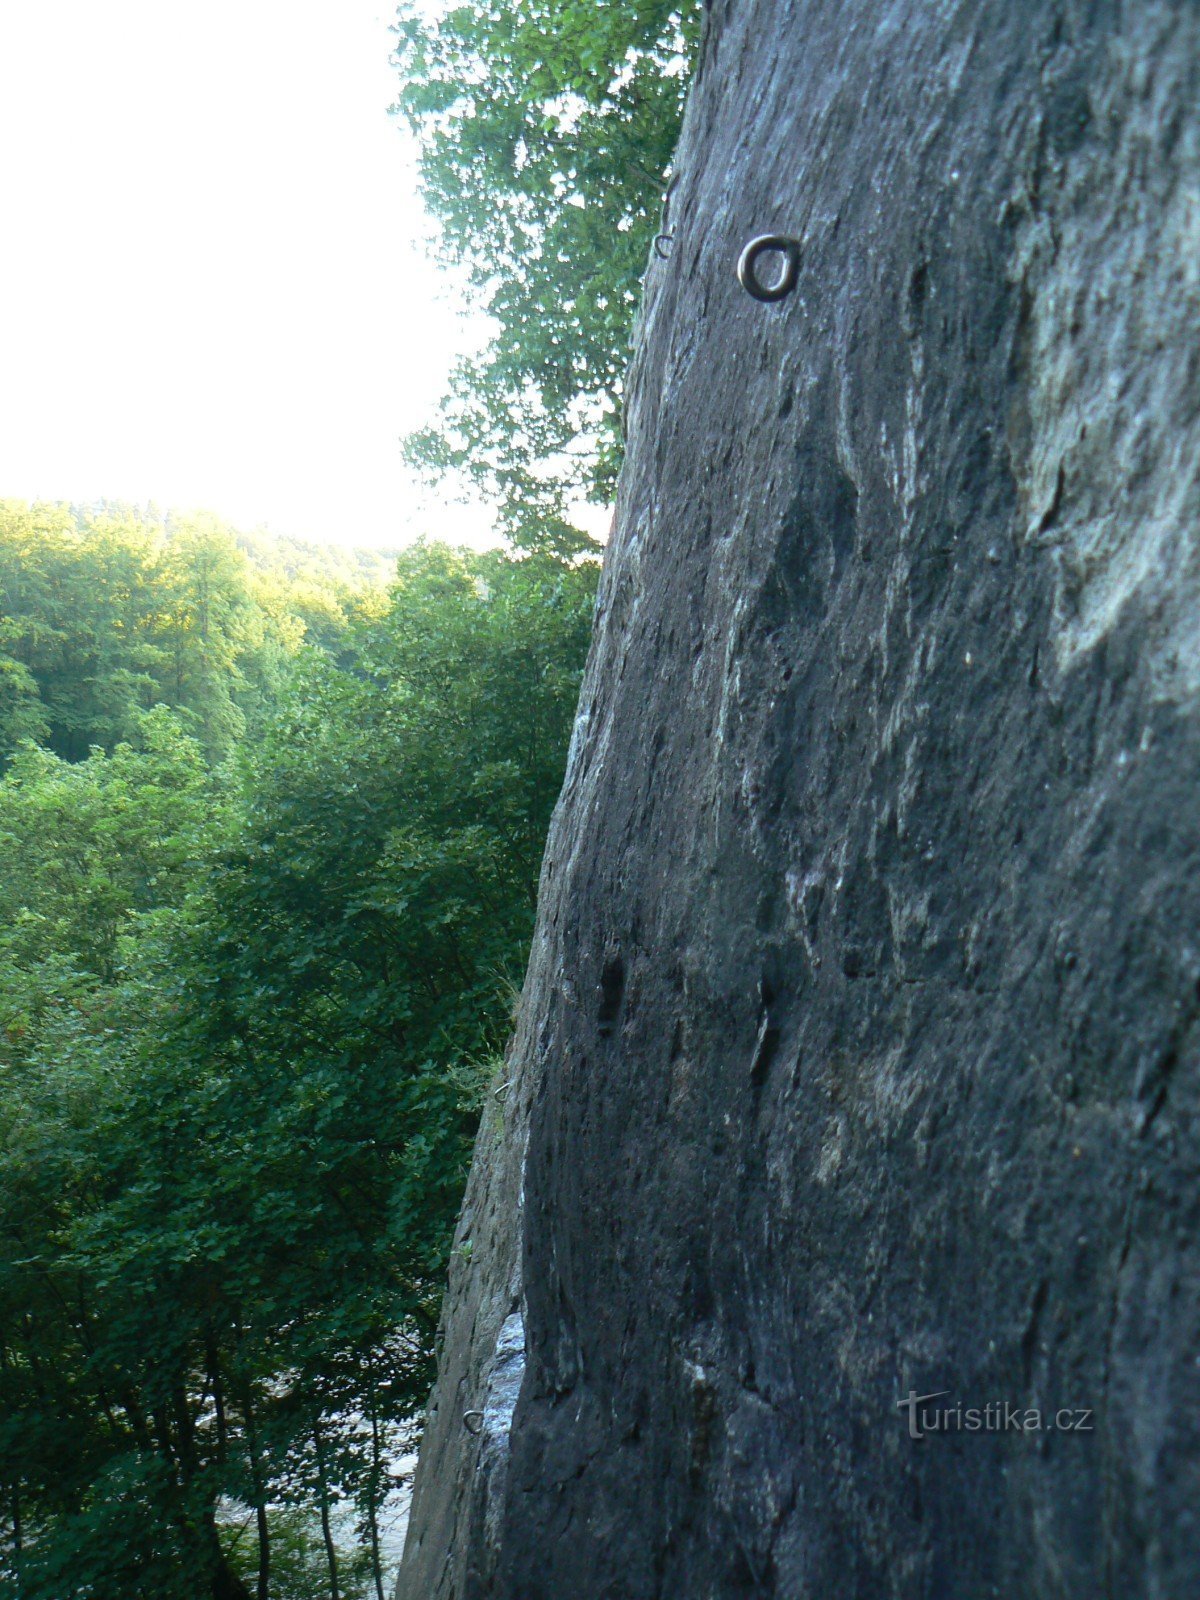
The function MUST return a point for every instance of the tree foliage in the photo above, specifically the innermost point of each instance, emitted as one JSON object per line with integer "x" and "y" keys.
{"x": 269, "y": 842}
{"x": 546, "y": 132}
{"x": 106, "y": 612}
{"x": 245, "y": 1011}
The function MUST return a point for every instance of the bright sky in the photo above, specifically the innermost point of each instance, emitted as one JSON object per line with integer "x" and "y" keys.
{"x": 213, "y": 291}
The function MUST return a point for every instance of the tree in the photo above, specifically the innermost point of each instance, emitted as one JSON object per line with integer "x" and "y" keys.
{"x": 545, "y": 134}
{"x": 21, "y": 713}
{"x": 95, "y": 1436}
{"x": 86, "y": 846}
{"x": 108, "y": 611}
{"x": 245, "y": 1012}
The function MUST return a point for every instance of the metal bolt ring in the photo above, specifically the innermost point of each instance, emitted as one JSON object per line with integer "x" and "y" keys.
{"x": 747, "y": 268}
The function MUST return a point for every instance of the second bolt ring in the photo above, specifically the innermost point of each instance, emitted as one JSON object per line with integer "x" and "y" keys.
{"x": 766, "y": 244}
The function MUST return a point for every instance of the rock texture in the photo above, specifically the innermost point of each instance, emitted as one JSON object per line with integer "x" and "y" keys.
{"x": 860, "y": 1047}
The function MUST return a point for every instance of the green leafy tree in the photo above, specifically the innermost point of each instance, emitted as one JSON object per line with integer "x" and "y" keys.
{"x": 92, "y": 857}
{"x": 108, "y": 611}
{"x": 545, "y": 133}
{"x": 85, "y": 846}
{"x": 243, "y": 1021}
{"x": 21, "y": 713}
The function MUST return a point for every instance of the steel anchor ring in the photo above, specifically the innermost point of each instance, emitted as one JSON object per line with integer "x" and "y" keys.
{"x": 767, "y": 244}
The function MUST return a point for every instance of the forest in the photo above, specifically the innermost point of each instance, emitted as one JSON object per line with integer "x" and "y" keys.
{"x": 271, "y": 820}
{"x": 269, "y": 845}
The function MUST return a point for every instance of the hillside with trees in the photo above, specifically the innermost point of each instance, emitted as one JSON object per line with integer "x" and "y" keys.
{"x": 271, "y": 819}
{"x": 268, "y": 855}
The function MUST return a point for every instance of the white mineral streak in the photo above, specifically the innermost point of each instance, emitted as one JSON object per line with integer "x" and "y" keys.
{"x": 1102, "y": 250}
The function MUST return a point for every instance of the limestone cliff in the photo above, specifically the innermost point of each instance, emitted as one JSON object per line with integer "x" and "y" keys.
{"x": 860, "y": 1048}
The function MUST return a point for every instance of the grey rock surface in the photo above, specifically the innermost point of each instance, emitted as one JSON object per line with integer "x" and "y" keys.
{"x": 859, "y": 1053}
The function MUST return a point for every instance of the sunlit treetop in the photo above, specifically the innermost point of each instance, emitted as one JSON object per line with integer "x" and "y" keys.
{"x": 546, "y": 132}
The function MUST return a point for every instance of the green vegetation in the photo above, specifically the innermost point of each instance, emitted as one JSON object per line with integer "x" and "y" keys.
{"x": 270, "y": 827}
{"x": 109, "y": 611}
{"x": 268, "y": 855}
{"x": 546, "y": 133}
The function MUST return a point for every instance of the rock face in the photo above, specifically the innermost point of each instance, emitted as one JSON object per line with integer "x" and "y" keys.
{"x": 860, "y": 1049}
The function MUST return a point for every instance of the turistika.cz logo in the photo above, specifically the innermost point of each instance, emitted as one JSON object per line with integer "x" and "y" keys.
{"x": 998, "y": 1416}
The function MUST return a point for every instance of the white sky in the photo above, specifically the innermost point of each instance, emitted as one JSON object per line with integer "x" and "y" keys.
{"x": 213, "y": 291}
